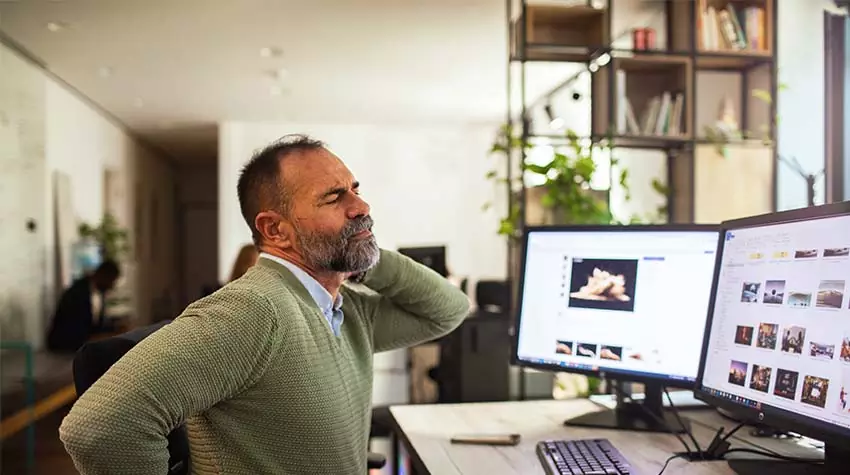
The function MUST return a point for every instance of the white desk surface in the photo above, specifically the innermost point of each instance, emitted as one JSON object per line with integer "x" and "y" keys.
{"x": 425, "y": 431}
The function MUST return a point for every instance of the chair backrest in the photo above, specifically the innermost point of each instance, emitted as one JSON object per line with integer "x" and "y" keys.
{"x": 93, "y": 360}
{"x": 492, "y": 296}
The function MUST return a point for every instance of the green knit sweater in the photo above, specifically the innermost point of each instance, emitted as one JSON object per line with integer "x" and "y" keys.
{"x": 259, "y": 377}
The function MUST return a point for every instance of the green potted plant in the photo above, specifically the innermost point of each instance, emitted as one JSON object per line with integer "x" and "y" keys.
{"x": 111, "y": 238}
{"x": 565, "y": 194}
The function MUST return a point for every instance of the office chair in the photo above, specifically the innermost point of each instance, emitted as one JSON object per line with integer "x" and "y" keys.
{"x": 93, "y": 359}
{"x": 493, "y": 296}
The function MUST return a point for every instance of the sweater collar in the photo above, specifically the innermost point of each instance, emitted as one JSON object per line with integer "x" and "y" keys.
{"x": 287, "y": 276}
{"x": 320, "y": 295}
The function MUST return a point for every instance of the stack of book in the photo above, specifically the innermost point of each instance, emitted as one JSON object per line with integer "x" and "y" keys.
{"x": 730, "y": 28}
{"x": 662, "y": 115}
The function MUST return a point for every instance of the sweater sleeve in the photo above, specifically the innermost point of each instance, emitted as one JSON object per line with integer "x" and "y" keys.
{"x": 412, "y": 304}
{"x": 219, "y": 347}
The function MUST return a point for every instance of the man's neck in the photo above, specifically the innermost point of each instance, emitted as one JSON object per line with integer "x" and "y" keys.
{"x": 330, "y": 280}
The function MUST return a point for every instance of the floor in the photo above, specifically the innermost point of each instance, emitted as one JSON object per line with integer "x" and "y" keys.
{"x": 53, "y": 373}
{"x": 50, "y": 455}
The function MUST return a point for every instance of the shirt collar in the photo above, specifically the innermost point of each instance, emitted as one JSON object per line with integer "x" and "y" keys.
{"x": 320, "y": 294}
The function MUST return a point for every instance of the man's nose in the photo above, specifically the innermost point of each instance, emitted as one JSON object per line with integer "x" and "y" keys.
{"x": 358, "y": 208}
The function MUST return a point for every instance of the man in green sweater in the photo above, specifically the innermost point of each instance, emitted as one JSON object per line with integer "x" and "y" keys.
{"x": 273, "y": 373}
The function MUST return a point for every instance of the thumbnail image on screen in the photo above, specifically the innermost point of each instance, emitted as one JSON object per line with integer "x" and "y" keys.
{"x": 780, "y": 327}
{"x": 607, "y": 284}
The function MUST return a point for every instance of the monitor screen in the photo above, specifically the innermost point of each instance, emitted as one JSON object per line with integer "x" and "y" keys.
{"x": 628, "y": 301}
{"x": 779, "y": 334}
{"x": 433, "y": 257}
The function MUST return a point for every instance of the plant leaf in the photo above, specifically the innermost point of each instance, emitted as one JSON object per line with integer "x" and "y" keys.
{"x": 762, "y": 95}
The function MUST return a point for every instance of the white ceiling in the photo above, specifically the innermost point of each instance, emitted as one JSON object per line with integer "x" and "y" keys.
{"x": 180, "y": 66}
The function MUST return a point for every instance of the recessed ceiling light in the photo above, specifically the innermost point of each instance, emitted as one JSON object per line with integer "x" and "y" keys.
{"x": 138, "y": 102}
{"x": 271, "y": 52}
{"x": 104, "y": 71}
{"x": 277, "y": 74}
{"x": 55, "y": 26}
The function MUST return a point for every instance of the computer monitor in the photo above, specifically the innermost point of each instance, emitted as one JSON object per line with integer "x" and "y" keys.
{"x": 777, "y": 340}
{"x": 433, "y": 257}
{"x": 624, "y": 302}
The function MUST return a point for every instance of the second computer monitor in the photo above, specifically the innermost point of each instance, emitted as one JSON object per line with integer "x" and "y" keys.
{"x": 777, "y": 350}
{"x": 629, "y": 302}
{"x": 433, "y": 257}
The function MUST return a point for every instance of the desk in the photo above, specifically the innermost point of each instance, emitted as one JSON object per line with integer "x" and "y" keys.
{"x": 425, "y": 431}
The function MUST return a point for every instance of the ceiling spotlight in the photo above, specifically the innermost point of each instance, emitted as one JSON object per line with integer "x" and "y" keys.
{"x": 593, "y": 67}
{"x": 55, "y": 26}
{"x": 271, "y": 52}
{"x": 104, "y": 71}
{"x": 138, "y": 102}
{"x": 278, "y": 74}
{"x": 555, "y": 122}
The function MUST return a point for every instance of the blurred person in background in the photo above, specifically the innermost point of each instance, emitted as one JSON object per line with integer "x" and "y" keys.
{"x": 273, "y": 373}
{"x": 246, "y": 258}
{"x": 81, "y": 311}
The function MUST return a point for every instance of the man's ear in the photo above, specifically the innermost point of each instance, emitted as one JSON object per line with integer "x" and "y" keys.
{"x": 273, "y": 229}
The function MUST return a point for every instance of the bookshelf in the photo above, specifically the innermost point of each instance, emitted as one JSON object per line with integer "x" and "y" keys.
{"x": 693, "y": 81}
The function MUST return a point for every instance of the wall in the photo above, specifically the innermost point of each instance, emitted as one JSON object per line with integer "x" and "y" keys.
{"x": 59, "y": 134}
{"x": 847, "y": 111}
{"x": 23, "y": 189}
{"x": 801, "y": 105}
{"x": 197, "y": 189}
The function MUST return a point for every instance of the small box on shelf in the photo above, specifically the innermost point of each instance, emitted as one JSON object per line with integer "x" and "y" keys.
{"x": 562, "y": 31}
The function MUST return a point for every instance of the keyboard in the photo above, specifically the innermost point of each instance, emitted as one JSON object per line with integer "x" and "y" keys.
{"x": 586, "y": 457}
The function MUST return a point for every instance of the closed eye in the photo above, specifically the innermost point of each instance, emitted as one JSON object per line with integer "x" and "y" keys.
{"x": 335, "y": 194}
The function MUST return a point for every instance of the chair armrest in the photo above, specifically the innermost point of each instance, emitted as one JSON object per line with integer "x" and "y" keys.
{"x": 375, "y": 461}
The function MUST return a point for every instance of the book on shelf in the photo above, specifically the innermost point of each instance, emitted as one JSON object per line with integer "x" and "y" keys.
{"x": 730, "y": 28}
{"x": 662, "y": 116}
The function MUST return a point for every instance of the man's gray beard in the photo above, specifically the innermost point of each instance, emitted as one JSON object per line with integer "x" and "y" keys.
{"x": 341, "y": 253}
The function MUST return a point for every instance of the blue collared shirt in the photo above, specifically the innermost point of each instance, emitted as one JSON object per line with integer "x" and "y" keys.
{"x": 331, "y": 309}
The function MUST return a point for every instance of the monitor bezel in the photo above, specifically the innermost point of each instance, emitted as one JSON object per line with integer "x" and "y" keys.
{"x": 768, "y": 415}
{"x": 608, "y": 373}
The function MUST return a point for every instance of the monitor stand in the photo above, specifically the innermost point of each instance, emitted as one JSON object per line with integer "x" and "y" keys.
{"x": 634, "y": 415}
{"x": 836, "y": 461}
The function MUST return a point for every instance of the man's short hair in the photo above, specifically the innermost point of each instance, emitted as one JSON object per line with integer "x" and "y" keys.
{"x": 260, "y": 186}
{"x": 109, "y": 269}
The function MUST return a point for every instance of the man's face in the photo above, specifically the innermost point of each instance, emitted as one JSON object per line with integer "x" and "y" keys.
{"x": 331, "y": 222}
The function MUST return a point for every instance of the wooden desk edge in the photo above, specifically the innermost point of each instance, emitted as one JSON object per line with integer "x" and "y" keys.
{"x": 419, "y": 466}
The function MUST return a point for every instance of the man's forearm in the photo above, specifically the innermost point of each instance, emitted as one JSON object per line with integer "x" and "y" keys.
{"x": 417, "y": 303}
